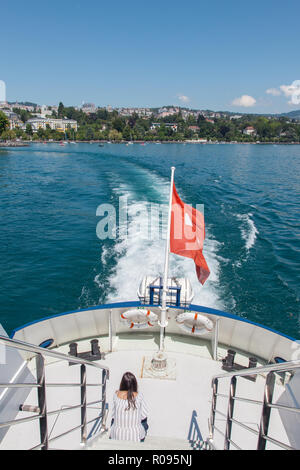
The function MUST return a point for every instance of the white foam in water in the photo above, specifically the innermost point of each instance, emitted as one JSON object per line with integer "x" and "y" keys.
{"x": 105, "y": 255}
{"x": 248, "y": 230}
{"x": 139, "y": 256}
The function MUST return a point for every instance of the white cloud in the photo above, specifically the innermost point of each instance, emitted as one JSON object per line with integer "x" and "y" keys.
{"x": 273, "y": 91}
{"x": 183, "y": 98}
{"x": 245, "y": 100}
{"x": 292, "y": 91}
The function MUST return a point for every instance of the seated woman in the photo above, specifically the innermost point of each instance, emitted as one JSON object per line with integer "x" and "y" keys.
{"x": 129, "y": 411}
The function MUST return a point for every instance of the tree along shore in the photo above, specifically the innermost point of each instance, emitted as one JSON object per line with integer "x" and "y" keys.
{"x": 110, "y": 126}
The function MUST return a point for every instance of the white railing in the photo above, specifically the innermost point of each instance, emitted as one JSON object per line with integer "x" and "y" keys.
{"x": 42, "y": 387}
{"x": 263, "y": 434}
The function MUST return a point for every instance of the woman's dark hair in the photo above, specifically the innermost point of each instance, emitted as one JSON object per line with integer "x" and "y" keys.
{"x": 129, "y": 384}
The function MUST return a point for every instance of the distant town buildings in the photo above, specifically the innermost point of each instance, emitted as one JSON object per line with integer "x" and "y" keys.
{"x": 187, "y": 113}
{"x": 42, "y": 117}
{"x": 13, "y": 118}
{"x": 45, "y": 110}
{"x": 161, "y": 113}
{"x": 25, "y": 107}
{"x": 4, "y": 105}
{"x": 141, "y": 112}
{"x": 46, "y": 117}
{"x": 164, "y": 112}
{"x": 60, "y": 125}
{"x": 88, "y": 108}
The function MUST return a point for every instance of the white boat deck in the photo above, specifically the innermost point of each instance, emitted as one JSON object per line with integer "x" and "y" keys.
{"x": 177, "y": 407}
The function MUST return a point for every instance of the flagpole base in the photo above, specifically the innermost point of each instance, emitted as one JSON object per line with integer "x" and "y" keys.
{"x": 159, "y": 362}
{"x": 159, "y": 366}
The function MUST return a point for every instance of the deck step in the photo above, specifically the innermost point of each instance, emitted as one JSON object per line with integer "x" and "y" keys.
{"x": 150, "y": 443}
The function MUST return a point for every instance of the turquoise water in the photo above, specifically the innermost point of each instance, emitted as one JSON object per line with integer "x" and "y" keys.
{"x": 52, "y": 260}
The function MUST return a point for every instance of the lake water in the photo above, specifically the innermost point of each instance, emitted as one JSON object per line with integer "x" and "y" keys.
{"x": 52, "y": 260}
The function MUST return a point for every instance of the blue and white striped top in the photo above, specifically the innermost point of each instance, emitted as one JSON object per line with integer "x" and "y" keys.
{"x": 127, "y": 423}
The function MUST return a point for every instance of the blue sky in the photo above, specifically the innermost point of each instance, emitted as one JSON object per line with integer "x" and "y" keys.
{"x": 196, "y": 53}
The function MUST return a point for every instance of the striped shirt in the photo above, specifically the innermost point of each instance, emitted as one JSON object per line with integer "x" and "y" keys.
{"x": 127, "y": 423}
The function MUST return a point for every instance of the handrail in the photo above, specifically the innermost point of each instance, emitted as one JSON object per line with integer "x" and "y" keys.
{"x": 267, "y": 404}
{"x": 66, "y": 432}
{"x": 283, "y": 367}
{"x": 31, "y": 385}
{"x": 17, "y": 344}
{"x": 41, "y": 387}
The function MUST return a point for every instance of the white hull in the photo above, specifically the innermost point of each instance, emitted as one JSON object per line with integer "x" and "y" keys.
{"x": 180, "y": 405}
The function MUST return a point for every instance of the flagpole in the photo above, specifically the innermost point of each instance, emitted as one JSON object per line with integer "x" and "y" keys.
{"x": 163, "y": 317}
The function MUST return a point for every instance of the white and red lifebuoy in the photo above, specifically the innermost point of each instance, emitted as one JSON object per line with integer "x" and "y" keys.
{"x": 194, "y": 323}
{"x": 139, "y": 318}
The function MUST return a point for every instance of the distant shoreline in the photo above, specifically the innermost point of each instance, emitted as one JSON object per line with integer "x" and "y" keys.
{"x": 27, "y": 143}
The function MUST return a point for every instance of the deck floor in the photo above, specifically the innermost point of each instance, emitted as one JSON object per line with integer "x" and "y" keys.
{"x": 176, "y": 407}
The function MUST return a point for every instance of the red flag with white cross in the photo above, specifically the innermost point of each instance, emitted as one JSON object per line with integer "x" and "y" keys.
{"x": 187, "y": 234}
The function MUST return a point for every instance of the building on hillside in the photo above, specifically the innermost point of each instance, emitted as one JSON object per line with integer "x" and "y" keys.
{"x": 14, "y": 120}
{"x": 47, "y": 110}
{"x": 164, "y": 112}
{"x": 88, "y": 108}
{"x": 194, "y": 128}
{"x": 170, "y": 125}
{"x": 235, "y": 116}
{"x": 60, "y": 125}
{"x": 154, "y": 126}
{"x": 249, "y": 131}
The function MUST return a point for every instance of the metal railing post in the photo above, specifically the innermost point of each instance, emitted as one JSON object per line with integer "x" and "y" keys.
{"x": 103, "y": 405}
{"x": 230, "y": 413}
{"x": 41, "y": 391}
{"x": 213, "y": 406}
{"x": 83, "y": 402}
{"x": 216, "y": 340}
{"x": 266, "y": 411}
{"x": 110, "y": 331}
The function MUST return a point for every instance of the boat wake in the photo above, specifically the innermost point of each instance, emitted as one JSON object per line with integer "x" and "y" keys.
{"x": 136, "y": 256}
{"x": 248, "y": 230}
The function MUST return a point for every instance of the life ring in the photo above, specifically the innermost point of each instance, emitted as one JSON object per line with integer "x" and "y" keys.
{"x": 139, "y": 318}
{"x": 194, "y": 323}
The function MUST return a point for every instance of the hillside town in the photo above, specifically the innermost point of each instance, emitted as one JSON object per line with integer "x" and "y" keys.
{"x": 88, "y": 122}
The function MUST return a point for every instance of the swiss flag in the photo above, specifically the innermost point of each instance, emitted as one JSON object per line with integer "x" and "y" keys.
{"x": 187, "y": 234}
